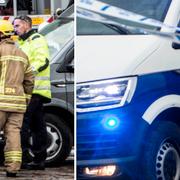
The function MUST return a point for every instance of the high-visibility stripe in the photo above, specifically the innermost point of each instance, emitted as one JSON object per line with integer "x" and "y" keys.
{"x": 42, "y": 78}
{"x": 41, "y": 88}
{"x": 13, "y": 58}
{"x": 29, "y": 69}
{"x": 13, "y": 106}
{"x": 4, "y": 74}
{"x": 10, "y": 96}
{"x": 17, "y": 98}
{"x": 28, "y": 96}
{"x": 12, "y": 152}
{"x": 2, "y": 78}
{"x": 13, "y": 156}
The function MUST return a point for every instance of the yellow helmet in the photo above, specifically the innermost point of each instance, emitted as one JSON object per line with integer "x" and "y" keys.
{"x": 6, "y": 28}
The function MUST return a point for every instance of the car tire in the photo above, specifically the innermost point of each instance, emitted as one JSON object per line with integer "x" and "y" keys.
{"x": 161, "y": 155}
{"x": 2, "y": 153}
{"x": 59, "y": 139}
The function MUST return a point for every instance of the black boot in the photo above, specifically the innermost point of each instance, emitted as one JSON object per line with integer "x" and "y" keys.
{"x": 26, "y": 158}
{"x": 10, "y": 174}
{"x": 35, "y": 165}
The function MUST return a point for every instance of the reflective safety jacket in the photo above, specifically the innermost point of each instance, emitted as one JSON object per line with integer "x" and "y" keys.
{"x": 16, "y": 78}
{"x": 36, "y": 48}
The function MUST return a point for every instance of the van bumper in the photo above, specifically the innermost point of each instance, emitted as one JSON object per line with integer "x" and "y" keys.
{"x": 125, "y": 168}
{"x": 98, "y": 145}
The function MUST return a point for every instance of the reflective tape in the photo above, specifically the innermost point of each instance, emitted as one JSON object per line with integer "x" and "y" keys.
{"x": 106, "y": 9}
{"x": 42, "y": 78}
{"x": 13, "y": 58}
{"x": 12, "y": 152}
{"x": 14, "y": 98}
{"x": 41, "y": 88}
{"x": 13, "y": 156}
{"x": 13, "y": 106}
{"x": 29, "y": 69}
{"x": 28, "y": 96}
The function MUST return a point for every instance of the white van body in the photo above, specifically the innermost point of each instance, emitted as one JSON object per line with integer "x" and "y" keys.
{"x": 147, "y": 118}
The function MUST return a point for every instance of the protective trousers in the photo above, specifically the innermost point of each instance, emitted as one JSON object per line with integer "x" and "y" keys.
{"x": 11, "y": 123}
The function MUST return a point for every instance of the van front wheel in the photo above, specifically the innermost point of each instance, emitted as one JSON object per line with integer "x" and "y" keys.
{"x": 161, "y": 159}
{"x": 59, "y": 139}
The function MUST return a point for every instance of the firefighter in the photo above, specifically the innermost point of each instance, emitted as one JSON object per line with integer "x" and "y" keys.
{"x": 36, "y": 48}
{"x": 16, "y": 85}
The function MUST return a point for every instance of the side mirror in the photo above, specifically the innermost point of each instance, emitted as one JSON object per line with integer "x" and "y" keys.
{"x": 70, "y": 67}
{"x": 175, "y": 45}
{"x": 58, "y": 12}
{"x": 67, "y": 64}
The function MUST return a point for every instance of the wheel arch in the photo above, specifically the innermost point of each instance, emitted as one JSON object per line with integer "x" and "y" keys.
{"x": 171, "y": 114}
{"x": 159, "y": 106}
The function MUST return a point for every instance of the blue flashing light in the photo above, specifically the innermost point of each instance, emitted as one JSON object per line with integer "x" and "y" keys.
{"x": 111, "y": 123}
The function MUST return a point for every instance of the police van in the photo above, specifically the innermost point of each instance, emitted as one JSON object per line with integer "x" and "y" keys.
{"x": 128, "y": 92}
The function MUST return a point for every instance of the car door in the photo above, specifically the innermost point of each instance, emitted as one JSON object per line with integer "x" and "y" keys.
{"x": 66, "y": 67}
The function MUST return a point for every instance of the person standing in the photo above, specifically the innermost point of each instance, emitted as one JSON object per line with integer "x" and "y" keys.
{"x": 16, "y": 85}
{"x": 36, "y": 48}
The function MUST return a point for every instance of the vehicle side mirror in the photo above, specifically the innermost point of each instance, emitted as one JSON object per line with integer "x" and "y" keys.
{"x": 176, "y": 43}
{"x": 68, "y": 64}
{"x": 70, "y": 67}
{"x": 58, "y": 12}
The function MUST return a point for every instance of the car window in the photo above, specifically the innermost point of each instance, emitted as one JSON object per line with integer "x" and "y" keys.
{"x": 94, "y": 28}
{"x": 58, "y": 34}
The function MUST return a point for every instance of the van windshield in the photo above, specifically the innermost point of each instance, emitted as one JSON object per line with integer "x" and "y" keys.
{"x": 155, "y": 9}
{"x": 58, "y": 34}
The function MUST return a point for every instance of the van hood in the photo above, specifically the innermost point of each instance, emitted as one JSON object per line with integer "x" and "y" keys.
{"x": 105, "y": 57}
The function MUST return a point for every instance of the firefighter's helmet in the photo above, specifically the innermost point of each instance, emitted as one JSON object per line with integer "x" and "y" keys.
{"x": 6, "y": 28}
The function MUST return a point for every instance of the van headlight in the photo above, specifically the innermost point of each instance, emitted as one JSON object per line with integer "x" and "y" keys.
{"x": 105, "y": 94}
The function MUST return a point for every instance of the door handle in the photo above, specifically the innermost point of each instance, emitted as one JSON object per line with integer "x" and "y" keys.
{"x": 58, "y": 83}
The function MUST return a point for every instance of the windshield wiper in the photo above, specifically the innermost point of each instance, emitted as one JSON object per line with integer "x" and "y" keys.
{"x": 118, "y": 28}
{"x": 92, "y": 16}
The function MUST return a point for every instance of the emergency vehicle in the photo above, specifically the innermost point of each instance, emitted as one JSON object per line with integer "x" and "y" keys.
{"x": 40, "y": 11}
{"x": 128, "y": 91}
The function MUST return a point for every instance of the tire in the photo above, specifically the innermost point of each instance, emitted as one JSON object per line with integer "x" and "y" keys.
{"x": 2, "y": 144}
{"x": 161, "y": 154}
{"x": 59, "y": 139}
